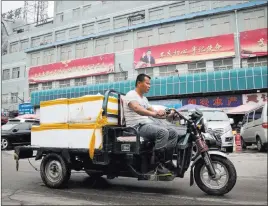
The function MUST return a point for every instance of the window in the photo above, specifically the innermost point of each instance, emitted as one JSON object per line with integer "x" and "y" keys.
{"x": 36, "y": 41}
{"x": 14, "y": 47}
{"x": 218, "y": 4}
{"x": 197, "y": 67}
{"x": 80, "y": 81}
{"x": 196, "y": 6}
{"x": 4, "y": 98}
{"x": 257, "y": 61}
{"x": 14, "y": 97}
{"x": 48, "y": 56}
{"x": 74, "y": 32}
{"x": 220, "y": 25}
{"x": 81, "y": 50}
{"x": 156, "y": 14}
{"x": 145, "y": 38}
{"x": 148, "y": 71}
{"x": 167, "y": 34}
{"x": 101, "y": 79}
{"x": 102, "y": 46}
{"x": 46, "y": 85}
{"x": 120, "y": 21}
{"x": 136, "y": 18}
{"x": 6, "y": 74}
{"x": 258, "y": 113}
{"x": 121, "y": 76}
{"x": 254, "y": 19}
{"x": 88, "y": 29}
{"x": 250, "y": 117}
{"x": 24, "y": 44}
{"x": 121, "y": 42}
{"x": 23, "y": 126}
{"x": 35, "y": 59}
{"x": 66, "y": 53}
{"x": 104, "y": 25}
{"x": 223, "y": 64}
{"x": 86, "y": 10}
{"x": 33, "y": 87}
{"x": 64, "y": 83}
{"x": 60, "y": 35}
{"x": 47, "y": 39}
{"x": 195, "y": 29}
{"x": 16, "y": 73}
{"x": 167, "y": 70}
{"x": 76, "y": 13}
{"x": 59, "y": 18}
{"x": 177, "y": 9}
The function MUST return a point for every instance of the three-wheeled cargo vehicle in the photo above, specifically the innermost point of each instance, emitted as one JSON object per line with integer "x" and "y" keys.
{"x": 118, "y": 150}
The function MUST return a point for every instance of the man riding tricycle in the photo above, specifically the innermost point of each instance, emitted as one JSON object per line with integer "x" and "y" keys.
{"x": 141, "y": 144}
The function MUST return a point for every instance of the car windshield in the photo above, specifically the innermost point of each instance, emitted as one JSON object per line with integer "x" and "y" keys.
{"x": 8, "y": 126}
{"x": 215, "y": 116}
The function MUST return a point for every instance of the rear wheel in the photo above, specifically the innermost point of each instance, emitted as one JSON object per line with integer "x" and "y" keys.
{"x": 225, "y": 179}
{"x": 243, "y": 144}
{"x": 260, "y": 146}
{"x": 54, "y": 171}
{"x": 4, "y": 143}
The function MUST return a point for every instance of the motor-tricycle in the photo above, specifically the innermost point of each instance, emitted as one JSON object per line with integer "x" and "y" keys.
{"x": 125, "y": 153}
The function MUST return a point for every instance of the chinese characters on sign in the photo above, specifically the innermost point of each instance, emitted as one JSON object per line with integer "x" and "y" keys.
{"x": 215, "y": 101}
{"x": 185, "y": 51}
{"x": 255, "y": 98}
{"x": 84, "y": 67}
{"x": 253, "y": 43}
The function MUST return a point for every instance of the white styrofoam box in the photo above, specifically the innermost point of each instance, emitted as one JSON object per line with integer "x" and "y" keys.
{"x": 79, "y": 136}
{"x": 87, "y": 108}
{"x": 54, "y": 111}
{"x": 53, "y": 135}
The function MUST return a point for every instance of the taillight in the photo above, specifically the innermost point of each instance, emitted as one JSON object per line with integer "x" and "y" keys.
{"x": 265, "y": 125}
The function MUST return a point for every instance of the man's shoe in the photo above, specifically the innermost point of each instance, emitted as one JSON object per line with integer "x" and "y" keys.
{"x": 162, "y": 170}
{"x": 170, "y": 165}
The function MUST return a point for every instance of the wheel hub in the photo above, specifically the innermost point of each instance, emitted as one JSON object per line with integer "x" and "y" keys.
{"x": 54, "y": 171}
{"x": 4, "y": 143}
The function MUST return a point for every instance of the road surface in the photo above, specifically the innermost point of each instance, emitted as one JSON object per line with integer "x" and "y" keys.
{"x": 26, "y": 187}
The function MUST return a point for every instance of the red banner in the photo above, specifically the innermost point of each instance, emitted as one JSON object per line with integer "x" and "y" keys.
{"x": 88, "y": 66}
{"x": 186, "y": 51}
{"x": 253, "y": 43}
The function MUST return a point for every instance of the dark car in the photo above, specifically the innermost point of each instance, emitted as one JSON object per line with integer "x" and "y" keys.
{"x": 14, "y": 134}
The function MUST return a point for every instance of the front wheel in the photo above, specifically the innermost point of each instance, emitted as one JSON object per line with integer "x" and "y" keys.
{"x": 225, "y": 176}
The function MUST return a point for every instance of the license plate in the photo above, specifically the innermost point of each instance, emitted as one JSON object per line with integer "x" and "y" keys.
{"x": 125, "y": 147}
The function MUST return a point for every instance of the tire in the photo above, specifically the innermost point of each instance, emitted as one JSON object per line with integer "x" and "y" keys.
{"x": 243, "y": 144}
{"x": 230, "y": 182}
{"x": 230, "y": 149}
{"x": 55, "y": 161}
{"x": 260, "y": 145}
{"x": 4, "y": 143}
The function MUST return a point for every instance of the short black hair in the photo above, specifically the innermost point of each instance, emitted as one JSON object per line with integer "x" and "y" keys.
{"x": 141, "y": 77}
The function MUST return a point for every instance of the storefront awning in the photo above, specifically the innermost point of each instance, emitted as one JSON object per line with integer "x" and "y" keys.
{"x": 242, "y": 109}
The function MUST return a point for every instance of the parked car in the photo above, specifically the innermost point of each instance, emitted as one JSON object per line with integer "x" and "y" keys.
{"x": 218, "y": 121}
{"x": 16, "y": 133}
{"x": 255, "y": 127}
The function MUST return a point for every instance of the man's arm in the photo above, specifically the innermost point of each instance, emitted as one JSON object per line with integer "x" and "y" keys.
{"x": 140, "y": 110}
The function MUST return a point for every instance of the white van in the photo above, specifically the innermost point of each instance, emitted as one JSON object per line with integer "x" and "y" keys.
{"x": 255, "y": 127}
{"x": 218, "y": 121}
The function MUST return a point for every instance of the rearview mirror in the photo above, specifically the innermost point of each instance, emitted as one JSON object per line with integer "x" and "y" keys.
{"x": 231, "y": 120}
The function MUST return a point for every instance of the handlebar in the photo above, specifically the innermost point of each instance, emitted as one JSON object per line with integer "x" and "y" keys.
{"x": 168, "y": 111}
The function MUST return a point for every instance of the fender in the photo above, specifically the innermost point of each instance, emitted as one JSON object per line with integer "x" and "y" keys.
{"x": 216, "y": 153}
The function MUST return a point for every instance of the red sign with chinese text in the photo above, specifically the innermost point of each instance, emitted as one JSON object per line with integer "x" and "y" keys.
{"x": 76, "y": 68}
{"x": 253, "y": 43}
{"x": 186, "y": 51}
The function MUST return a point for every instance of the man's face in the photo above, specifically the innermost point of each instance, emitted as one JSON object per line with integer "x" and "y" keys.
{"x": 145, "y": 85}
{"x": 149, "y": 53}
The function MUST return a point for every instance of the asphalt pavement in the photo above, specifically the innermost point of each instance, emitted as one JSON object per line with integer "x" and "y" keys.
{"x": 25, "y": 187}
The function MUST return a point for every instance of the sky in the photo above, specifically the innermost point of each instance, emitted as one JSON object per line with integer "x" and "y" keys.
{"x": 11, "y": 5}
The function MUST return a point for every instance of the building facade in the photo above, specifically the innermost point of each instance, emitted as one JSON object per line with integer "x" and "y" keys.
{"x": 85, "y": 34}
